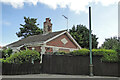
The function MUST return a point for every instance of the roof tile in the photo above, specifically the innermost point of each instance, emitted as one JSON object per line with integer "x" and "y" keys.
{"x": 35, "y": 38}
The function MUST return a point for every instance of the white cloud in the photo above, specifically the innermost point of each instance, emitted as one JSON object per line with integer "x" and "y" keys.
{"x": 74, "y": 5}
{"x": 107, "y": 2}
{"x": 14, "y": 3}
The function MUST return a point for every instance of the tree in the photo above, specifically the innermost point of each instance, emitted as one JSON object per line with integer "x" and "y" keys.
{"x": 81, "y": 34}
{"x": 29, "y": 28}
{"x": 111, "y": 43}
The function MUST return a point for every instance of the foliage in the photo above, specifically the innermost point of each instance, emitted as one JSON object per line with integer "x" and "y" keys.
{"x": 106, "y": 55}
{"x": 23, "y": 57}
{"x": 118, "y": 51}
{"x": 81, "y": 34}
{"x": 98, "y": 51}
{"x": 6, "y": 52}
{"x": 110, "y": 56}
{"x": 111, "y": 43}
{"x": 57, "y": 53}
{"x": 29, "y": 28}
{"x": 80, "y": 52}
{"x": 1, "y": 60}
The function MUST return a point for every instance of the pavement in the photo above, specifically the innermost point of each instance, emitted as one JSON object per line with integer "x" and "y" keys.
{"x": 56, "y": 77}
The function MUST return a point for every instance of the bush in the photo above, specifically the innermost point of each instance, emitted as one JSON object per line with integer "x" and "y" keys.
{"x": 57, "y": 53}
{"x": 2, "y": 60}
{"x": 97, "y": 51}
{"x": 25, "y": 56}
{"x": 107, "y": 55}
{"x": 6, "y": 53}
{"x": 80, "y": 52}
{"x": 110, "y": 56}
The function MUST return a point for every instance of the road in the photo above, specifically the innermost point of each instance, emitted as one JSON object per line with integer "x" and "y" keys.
{"x": 55, "y": 77}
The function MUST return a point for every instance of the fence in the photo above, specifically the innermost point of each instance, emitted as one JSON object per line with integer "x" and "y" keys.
{"x": 66, "y": 64}
{"x": 26, "y": 68}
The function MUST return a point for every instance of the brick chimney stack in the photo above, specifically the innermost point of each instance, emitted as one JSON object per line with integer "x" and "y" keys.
{"x": 47, "y": 26}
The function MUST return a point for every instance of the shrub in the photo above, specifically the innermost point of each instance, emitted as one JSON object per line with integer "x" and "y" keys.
{"x": 6, "y": 52}
{"x": 2, "y": 60}
{"x": 80, "y": 52}
{"x": 25, "y": 56}
{"x": 107, "y": 55}
{"x": 97, "y": 51}
{"x": 57, "y": 53}
{"x": 110, "y": 56}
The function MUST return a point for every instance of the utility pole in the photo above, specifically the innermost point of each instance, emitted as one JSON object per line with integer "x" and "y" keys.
{"x": 90, "y": 43}
{"x": 67, "y": 21}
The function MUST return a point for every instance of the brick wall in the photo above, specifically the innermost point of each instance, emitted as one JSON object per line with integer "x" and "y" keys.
{"x": 57, "y": 42}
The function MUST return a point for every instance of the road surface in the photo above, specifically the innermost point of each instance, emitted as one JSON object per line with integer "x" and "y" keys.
{"x": 55, "y": 77}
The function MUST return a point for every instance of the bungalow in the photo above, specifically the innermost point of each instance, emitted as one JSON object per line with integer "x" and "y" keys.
{"x": 48, "y": 41}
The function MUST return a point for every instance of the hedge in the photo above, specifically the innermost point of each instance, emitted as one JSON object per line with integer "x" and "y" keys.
{"x": 110, "y": 56}
{"x": 107, "y": 55}
{"x": 29, "y": 55}
{"x": 25, "y": 56}
{"x": 80, "y": 52}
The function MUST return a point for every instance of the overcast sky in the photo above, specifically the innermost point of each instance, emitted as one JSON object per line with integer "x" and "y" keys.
{"x": 104, "y": 16}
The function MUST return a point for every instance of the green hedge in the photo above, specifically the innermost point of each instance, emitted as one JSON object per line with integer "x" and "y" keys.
{"x": 107, "y": 55}
{"x": 25, "y": 56}
{"x": 80, "y": 52}
{"x": 110, "y": 56}
{"x": 57, "y": 53}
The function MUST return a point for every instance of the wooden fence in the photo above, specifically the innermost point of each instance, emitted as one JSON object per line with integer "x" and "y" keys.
{"x": 26, "y": 68}
{"x": 66, "y": 64}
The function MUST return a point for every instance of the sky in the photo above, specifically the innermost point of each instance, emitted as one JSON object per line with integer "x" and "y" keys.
{"x": 104, "y": 16}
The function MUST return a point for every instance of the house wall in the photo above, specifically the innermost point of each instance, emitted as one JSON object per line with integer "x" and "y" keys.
{"x": 57, "y": 42}
{"x": 64, "y": 50}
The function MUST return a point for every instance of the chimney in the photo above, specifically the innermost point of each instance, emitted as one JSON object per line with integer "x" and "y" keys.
{"x": 47, "y": 26}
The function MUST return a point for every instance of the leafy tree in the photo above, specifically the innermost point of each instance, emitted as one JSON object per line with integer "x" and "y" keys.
{"x": 29, "y": 28}
{"x": 111, "y": 43}
{"x": 81, "y": 34}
